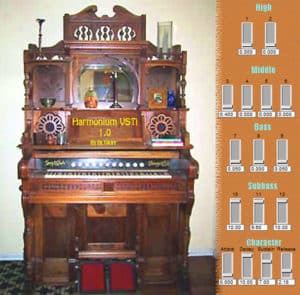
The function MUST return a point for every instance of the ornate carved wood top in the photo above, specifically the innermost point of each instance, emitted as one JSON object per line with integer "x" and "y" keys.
{"x": 92, "y": 48}
{"x": 87, "y": 26}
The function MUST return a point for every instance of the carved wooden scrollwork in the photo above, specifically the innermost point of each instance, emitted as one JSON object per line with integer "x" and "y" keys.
{"x": 83, "y": 33}
{"x": 50, "y": 124}
{"x": 28, "y": 87}
{"x": 126, "y": 33}
{"x": 104, "y": 33}
{"x": 86, "y": 26}
{"x": 161, "y": 125}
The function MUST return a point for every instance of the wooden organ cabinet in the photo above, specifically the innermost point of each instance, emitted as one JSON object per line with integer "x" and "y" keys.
{"x": 106, "y": 170}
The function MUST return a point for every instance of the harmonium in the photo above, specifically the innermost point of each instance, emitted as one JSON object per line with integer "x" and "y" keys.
{"x": 106, "y": 170}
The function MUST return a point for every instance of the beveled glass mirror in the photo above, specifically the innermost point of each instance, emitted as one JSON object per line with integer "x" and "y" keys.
{"x": 100, "y": 78}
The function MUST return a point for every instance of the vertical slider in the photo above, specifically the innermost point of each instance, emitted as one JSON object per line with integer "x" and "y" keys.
{"x": 258, "y": 215}
{"x": 266, "y": 269}
{"x": 270, "y": 39}
{"x": 282, "y": 156}
{"x": 235, "y": 152}
{"x": 286, "y": 269}
{"x": 247, "y": 270}
{"x": 282, "y": 215}
{"x": 235, "y": 215}
{"x": 227, "y": 269}
{"x": 227, "y": 101}
{"x": 247, "y": 39}
{"x": 266, "y": 93}
{"x": 286, "y": 95}
{"x": 258, "y": 156}
{"x": 247, "y": 101}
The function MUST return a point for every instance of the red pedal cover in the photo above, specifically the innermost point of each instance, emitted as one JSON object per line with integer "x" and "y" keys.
{"x": 92, "y": 277}
{"x": 122, "y": 277}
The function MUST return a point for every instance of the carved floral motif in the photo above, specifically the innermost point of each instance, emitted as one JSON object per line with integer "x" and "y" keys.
{"x": 161, "y": 125}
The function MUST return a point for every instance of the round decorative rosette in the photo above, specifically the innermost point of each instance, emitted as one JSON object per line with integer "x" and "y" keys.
{"x": 50, "y": 124}
{"x": 161, "y": 125}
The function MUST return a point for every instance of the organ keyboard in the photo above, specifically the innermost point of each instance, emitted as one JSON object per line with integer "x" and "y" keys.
{"x": 106, "y": 170}
{"x": 94, "y": 174}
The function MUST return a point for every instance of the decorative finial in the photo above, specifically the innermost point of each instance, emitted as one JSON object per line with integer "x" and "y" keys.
{"x": 40, "y": 21}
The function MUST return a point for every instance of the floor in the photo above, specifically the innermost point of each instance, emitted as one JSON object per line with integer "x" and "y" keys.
{"x": 201, "y": 271}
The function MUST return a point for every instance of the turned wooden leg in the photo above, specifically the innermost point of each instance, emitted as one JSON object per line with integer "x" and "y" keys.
{"x": 184, "y": 274}
{"x": 28, "y": 233}
{"x": 28, "y": 240}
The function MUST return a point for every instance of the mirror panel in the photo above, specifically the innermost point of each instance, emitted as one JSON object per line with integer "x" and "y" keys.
{"x": 99, "y": 78}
